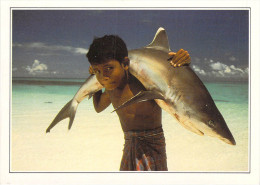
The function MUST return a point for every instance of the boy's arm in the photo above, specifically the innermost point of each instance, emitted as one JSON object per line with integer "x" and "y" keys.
{"x": 180, "y": 58}
{"x": 101, "y": 101}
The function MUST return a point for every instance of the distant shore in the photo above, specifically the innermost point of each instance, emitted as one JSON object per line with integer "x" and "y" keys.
{"x": 34, "y": 82}
{"x": 80, "y": 81}
{"x": 47, "y": 81}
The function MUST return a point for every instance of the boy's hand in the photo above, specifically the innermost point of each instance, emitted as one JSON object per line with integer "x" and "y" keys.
{"x": 90, "y": 70}
{"x": 180, "y": 58}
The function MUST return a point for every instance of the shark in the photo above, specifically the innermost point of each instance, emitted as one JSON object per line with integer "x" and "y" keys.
{"x": 178, "y": 91}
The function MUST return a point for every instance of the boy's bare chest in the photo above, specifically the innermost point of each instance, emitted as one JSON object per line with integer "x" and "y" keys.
{"x": 120, "y": 96}
{"x": 141, "y": 108}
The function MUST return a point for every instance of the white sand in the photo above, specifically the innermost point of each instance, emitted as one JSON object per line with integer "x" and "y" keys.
{"x": 95, "y": 143}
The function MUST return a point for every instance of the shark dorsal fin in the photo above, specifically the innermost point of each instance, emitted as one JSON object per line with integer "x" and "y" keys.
{"x": 160, "y": 41}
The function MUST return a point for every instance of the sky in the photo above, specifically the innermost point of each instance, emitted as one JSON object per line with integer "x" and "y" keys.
{"x": 53, "y": 43}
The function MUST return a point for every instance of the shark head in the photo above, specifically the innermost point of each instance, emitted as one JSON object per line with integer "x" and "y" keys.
{"x": 210, "y": 122}
{"x": 216, "y": 126}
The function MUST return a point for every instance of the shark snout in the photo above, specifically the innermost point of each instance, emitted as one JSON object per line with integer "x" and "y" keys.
{"x": 217, "y": 129}
{"x": 223, "y": 133}
{"x": 230, "y": 141}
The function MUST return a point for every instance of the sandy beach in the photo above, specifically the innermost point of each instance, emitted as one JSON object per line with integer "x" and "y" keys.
{"x": 95, "y": 142}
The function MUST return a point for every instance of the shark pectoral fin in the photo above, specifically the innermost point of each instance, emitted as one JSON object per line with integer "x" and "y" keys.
{"x": 68, "y": 111}
{"x": 140, "y": 97}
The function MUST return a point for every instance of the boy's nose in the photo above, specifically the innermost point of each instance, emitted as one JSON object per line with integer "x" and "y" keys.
{"x": 105, "y": 77}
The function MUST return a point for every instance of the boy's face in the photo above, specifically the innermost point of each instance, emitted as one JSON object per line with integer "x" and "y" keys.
{"x": 110, "y": 74}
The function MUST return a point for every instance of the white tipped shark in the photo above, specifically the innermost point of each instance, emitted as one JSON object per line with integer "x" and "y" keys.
{"x": 178, "y": 91}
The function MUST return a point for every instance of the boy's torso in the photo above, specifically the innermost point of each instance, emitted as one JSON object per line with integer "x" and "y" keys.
{"x": 139, "y": 116}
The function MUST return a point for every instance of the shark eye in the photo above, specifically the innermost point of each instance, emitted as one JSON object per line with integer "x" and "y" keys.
{"x": 211, "y": 123}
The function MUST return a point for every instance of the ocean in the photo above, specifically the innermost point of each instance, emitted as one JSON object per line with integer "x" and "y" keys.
{"x": 95, "y": 141}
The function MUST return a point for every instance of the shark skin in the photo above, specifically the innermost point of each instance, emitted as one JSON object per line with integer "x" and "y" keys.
{"x": 178, "y": 91}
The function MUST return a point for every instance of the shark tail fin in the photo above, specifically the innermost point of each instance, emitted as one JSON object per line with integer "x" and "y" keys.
{"x": 71, "y": 119}
{"x": 140, "y": 97}
{"x": 68, "y": 111}
{"x": 160, "y": 40}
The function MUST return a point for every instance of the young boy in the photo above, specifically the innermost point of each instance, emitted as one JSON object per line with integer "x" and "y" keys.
{"x": 144, "y": 147}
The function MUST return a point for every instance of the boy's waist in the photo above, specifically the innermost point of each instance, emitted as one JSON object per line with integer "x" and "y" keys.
{"x": 145, "y": 133}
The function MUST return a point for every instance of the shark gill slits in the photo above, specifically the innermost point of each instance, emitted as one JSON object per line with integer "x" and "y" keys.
{"x": 188, "y": 113}
{"x": 178, "y": 97}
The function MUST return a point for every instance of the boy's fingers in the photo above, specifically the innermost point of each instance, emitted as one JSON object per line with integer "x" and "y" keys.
{"x": 91, "y": 70}
{"x": 178, "y": 58}
{"x": 179, "y": 54}
{"x": 180, "y": 51}
{"x": 182, "y": 57}
{"x": 183, "y": 60}
{"x": 172, "y": 53}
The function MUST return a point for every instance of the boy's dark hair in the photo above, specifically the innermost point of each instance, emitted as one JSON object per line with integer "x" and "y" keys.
{"x": 105, "y": 48}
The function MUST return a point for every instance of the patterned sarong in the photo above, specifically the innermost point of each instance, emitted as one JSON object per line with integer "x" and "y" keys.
{"x": 144, "y": 151}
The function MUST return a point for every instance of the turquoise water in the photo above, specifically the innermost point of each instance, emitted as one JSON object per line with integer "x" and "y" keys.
{"x": 221, "y": 92}
{"x": 41, "y": 99}
{"x": 230, "y": 98}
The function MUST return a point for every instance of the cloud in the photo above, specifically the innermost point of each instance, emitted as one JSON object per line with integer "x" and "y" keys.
{"x": 37, "y": 68}
{"x": 198, "y": 70}
{"x": 217, "y": 66}
{"x": 208, "y": 68}
{"x": 42, "y": 47}
{"x": 81, "y": 51}
{"x": 237, "y": 69}
{"x": 225, "y": 70}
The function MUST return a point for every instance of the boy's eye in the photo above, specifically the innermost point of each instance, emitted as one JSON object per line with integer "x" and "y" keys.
{"x": 108, "y": 68}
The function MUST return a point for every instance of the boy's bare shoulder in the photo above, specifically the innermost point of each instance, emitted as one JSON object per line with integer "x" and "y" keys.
{"x": 135, "y": 85}
{"x": 123, "y": 94}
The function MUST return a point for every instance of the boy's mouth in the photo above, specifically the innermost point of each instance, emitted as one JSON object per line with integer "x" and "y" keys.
{"x": 107, "y": 84}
